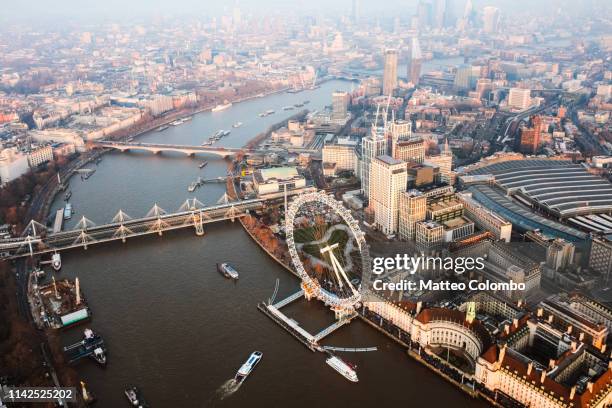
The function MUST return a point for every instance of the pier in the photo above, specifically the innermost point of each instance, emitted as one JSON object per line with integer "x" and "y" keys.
{"x": 292, "y": 327}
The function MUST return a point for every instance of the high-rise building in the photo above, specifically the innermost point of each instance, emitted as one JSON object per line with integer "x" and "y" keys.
{"x": 414, "y": 61}
{"x": 490, "y": 19}
{"x": 440, "y": 11}
{"x": 355, "y": 11}
{"x": 409, "y": 150}
{"x": 397, "y": 130}
{"x": 600, "y": 259}
{"x": 342, "y": 155}
{"x": 463, "y": 76}
{"x": 519, "y": 98}
{"x": 388, "y": 179}
{"x": 483, "y": 87}
{"x": 390, "y": 72}
{"x": 412, "y": 209}
{"x": 424, "y": 14}
{"x": 444, "y": 161}
{"x": 372, "y": 146}
{"x": 340, "y": 102}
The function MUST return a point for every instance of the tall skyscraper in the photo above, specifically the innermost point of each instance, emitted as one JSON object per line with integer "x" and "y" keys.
{"x": 390, "y": 72}
{"x": 355, "y": 10}
{"x": 415, "y": 61}
{"x": 372, "y": 146}
{"x": 412, "y": 209}
{"x": 424, "y": 14}
{"x": 340, "y": 102}
{"x": 439, "y": 13}
{"x": 387, "y": 181}
{"x": 490, "y": 19}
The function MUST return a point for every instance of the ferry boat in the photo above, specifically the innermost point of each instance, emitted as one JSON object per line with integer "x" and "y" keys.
{"x": 287, "y": 108}
{"x": 192, "y": 187}
{"x": 176, "y": 122}
{"x": 68, "y": 211}
{"x": 270, "y": 112}
{"x": 228, "y": 271}
{"x": 222, "y": 107}
{"x": 134, "y": 395}
{"x": 56, "y": 261}
{"x": 226, "y": 133}
{"x": 343, "y": 368}
{"x": 237, "y": 125}
{"x": 203, "y": 164}
{"x": 248, "y": 366}
{"x": 161, "y": 129}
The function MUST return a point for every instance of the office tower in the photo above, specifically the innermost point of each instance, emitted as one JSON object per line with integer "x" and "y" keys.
{"x": 519, "y": 98}
{"x": 483, "y": 87}
{"x": 372, "y": 146}
{"x": 388, "y": 179}
{"x": 390, "y": 72}
{"x": 356, "y": 9}
{"x": 444, "y": 161}
{"x": 490, "y": 20}
{"x": 462, "y": 78}
{"x": 409, "y": 150}
{"x": 600, "y": 258}
{"x": 414, "y": 61}
{"x": 340, "y": 102}
{"x": 412, "y": 209}
{"x": 439, "y": 13}
{"x": 424, "y": 11}
{"x": 397, "y": 130}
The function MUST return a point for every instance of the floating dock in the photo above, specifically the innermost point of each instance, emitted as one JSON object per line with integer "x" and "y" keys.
{"x": 59, "y": 221}
{"x": 59, "y": 304}
{"x": 292, "y": 327}
{"x": 84, "y": 348}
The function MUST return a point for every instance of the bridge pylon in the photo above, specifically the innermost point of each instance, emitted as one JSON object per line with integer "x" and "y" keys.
{"x": 225, "y": 199}
{"x": 191, "y": 204}
{"x": 34, "y": 229}
{"x": 121, "y": 217}
{"x": 232, "y": 213}
{"x": 83, "y": 239}
{"x": 83, "y": 224}
{"x": 122, "y": 232}
{"x": 198, "y": 224}
{"x": 156, "y": 211}
{"x": 158, "y": 226}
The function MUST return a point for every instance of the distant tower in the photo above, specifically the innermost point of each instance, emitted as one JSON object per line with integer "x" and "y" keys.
{"x": 490, "y": 19}
{"x": 415, "y": 61}
{"x": 355, "y": 11}
{"x": 390, "y": 72}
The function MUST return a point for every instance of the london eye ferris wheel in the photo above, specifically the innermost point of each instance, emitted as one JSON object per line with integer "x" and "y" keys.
{"x": 328, "y": 250}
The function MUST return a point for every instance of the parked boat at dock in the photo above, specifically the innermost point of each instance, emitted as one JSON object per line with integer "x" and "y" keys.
{"x": 228, "y": 271}
{"x": 68, "y": 211}
{"x": 247, "y": 368}
{"x": 222, "y": 107}
{"x": 162, "y": 128}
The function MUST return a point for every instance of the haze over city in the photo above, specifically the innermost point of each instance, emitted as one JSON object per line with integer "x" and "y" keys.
{"x": 332, "y": 203}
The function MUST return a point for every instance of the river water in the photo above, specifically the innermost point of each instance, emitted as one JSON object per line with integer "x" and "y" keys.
{"x": 179, "y": 330}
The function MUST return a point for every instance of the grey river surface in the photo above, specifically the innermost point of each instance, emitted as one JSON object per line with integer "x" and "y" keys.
{"x": 179, "y": 330}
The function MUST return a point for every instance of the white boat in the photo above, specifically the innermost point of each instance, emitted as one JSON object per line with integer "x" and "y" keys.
{"x": 343, "y": 368}
{"x": 192, "y": 187}
{"x": 237, "y": 125}
{"x": 228, "y": 271}
{"x": 220, "y": 107}
{"x": 248, "y": 366}
{"x": 56, "y": 261}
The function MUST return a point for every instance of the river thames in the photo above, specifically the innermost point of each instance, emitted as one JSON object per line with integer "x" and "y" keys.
{"x": 179, "y": 330}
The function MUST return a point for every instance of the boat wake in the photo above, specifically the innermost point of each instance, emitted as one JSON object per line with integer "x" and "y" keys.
{"x": 227, "y": 388}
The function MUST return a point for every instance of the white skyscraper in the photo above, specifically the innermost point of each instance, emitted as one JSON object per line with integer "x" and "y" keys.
{"x": 490, "y": 19}
{"x": 372, "y": 146}
{"x": 388, "y": 180}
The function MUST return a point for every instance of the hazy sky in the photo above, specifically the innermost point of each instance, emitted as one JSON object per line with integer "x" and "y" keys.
{"x": 87, "y": 9}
